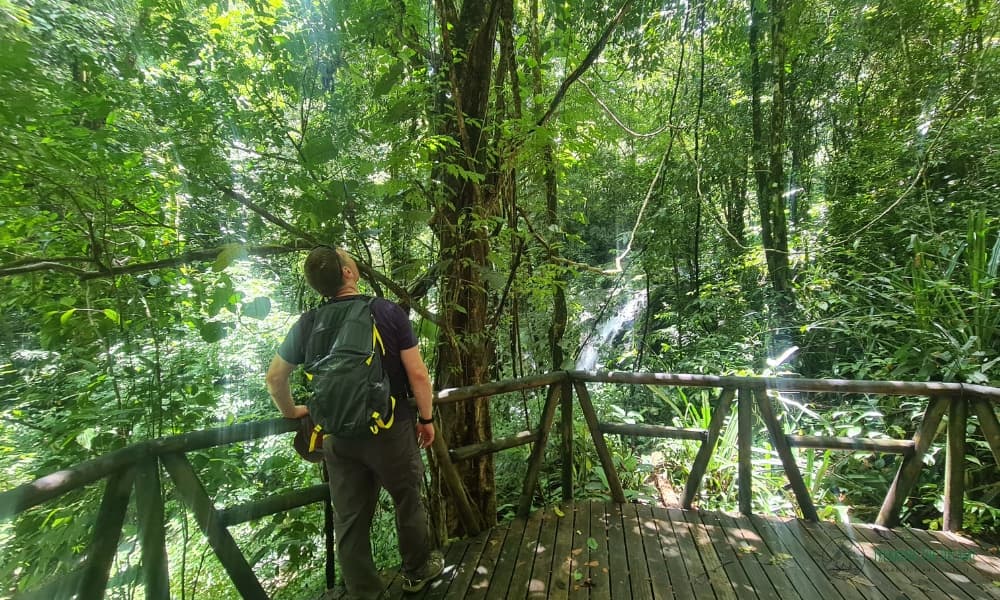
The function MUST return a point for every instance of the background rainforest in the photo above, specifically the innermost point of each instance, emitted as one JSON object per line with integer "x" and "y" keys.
{"x": 814, "y": 180}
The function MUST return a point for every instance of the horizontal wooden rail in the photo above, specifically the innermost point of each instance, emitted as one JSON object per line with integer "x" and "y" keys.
{"x": 50, "y": 486}
{"x": 846, "y": 443}
{"x": 474, "y": 450}
{"x": 929, "y": 389}
{"x": 141, "y": 461}
{"x": 274, "y": 504}
{"x": 657, "y": 431}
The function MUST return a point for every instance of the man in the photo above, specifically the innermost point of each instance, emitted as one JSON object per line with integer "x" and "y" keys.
{"x": 360, "y": 466}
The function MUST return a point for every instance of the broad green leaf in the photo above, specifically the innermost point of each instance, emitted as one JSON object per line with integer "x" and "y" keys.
{"x": 213, "y": 331}
{"x": 66, "y": 316}
{"x": 258, "y": 308}
{"x": 229, "y": 254}
{"x": 387, "y": 81}
{"x": 112, "y": 315}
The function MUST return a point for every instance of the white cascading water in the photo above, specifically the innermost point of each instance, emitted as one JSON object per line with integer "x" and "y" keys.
{"x": 608, "y": 331}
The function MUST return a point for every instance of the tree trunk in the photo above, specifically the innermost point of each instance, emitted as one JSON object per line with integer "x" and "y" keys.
{"x": 768, "y": 149}
{"x": 460, "y": 224}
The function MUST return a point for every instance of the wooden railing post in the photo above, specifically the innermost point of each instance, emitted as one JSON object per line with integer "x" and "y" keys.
{"x": 707, "y": 447}
{"x": 909, "y": 468}
{"x": 538, "y": 450}
{"x": 780, "y": 443}
{"x": 472, "y": 521}
{"x": 989, "y": 425}
{"x": 954, "y": 468}
{"x": 567, "y": 440}
{"x": 744, "y": 441}
{"x": 107, "y": 532}
{"x": 150, "y": 514}
{"x": 607, "y": 462}
{"x": 190, "y": 489}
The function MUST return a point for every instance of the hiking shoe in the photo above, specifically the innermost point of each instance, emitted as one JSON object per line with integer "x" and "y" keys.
{"x": 414, "y": 582}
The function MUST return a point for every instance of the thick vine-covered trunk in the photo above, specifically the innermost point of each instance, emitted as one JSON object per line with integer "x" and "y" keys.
{"x": 460, "y": 224}
{"x": 769, "y": 146}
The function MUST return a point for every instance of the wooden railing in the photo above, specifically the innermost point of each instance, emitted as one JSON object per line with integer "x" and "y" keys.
{"x": 137, "y": 467}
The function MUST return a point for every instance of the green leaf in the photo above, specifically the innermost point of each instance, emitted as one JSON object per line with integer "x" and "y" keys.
{"x": 387, "y": 81}
{"x": 213, "y": 331}
{"x": 592, "y": 543}
{"x": 258, "y": 308}
{"x": 229, "y": 254}
{"x": 112, "y": 316}
{"x": 66, "y": 316}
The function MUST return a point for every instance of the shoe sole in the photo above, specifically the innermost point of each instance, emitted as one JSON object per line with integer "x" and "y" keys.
{"x": 416, "y": 587}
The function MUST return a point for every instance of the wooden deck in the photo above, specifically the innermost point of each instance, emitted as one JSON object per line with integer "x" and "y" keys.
{"x": 607, "y": 550}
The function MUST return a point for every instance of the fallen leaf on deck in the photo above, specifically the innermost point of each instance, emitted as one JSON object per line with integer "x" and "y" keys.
{"x": 592, "y": 563}
{"x": 780, "y": 558}
{"x": 558, "y": 512}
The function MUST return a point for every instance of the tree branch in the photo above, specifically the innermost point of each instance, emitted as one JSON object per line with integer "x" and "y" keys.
{"x": 589, "y": 60}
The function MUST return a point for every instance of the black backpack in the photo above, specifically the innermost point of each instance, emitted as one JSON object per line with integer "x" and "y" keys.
{"x": 344, "y": 352}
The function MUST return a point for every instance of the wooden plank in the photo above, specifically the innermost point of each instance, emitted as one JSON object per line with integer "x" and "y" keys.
{"x": 953, "y": 560}
{"x": 847, "y": 568}
{"x": 618, "y": 563}
{"x": 810, "y": 558}
{"x": 580, "y": 552}
{"x": 754, "y": 551}
{"x": 454, "y": 559}
{"x": 689, "y": 553}
{"x": 784, "y": 451}
{"x": 744, "y": 441}
{"x": 562, "y": 557}
{"x": 107, "y": 533}
{"x": 463, "y": 560}
{"x": 909, "y": 468}
{"x": 190, "y": 490}
{"x": 673, "y": 553}
{"x": 954, "y": 466}
{"x": 540, "y": 573}
{"x": 707, "y": 447}
{"x": 596, "y": 574}
{"x": 538, "y": 450}
{"x": 638, "y": 565}
{"x": 883, "y": 574}
{"x": 717, "y": 575}
{"x": 984, "y": 559}
{"x": 731, "y": 563}
{"x": 503, "y": 572}
{"x": 149, "y": 513}
{"x": 603, "y": 454}
{"x": 484, "y": 569}
{"x": 890, "y": 548}
{"x": 800, "y": 570}
{"x": 566, "y": 441}
{"x": 659, "y": 572}
{"x": 525, "y": 557}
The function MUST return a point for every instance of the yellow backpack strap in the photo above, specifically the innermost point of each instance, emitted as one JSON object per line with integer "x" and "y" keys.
{"x": 317, "y": 435}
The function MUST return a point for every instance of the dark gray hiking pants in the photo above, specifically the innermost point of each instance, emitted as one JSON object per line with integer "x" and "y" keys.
{"x": 358, "y": 468}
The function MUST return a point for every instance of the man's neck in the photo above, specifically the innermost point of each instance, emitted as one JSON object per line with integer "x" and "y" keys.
{"x": 347, "y": 290}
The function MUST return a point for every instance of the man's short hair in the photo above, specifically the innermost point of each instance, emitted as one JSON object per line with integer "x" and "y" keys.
{"x": 323, "y": 271}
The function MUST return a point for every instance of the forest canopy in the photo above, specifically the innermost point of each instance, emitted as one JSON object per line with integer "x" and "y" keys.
{"x": 750, "y": 187}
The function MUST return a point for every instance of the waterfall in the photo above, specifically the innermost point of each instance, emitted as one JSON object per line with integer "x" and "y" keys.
{"x": 608, "y": 330}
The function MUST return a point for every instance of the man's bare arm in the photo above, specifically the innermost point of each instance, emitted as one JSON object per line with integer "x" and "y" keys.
{"x": 278, "y": 374}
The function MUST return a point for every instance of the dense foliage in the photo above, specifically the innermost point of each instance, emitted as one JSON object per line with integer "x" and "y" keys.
{"x": 806, "y": 179}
